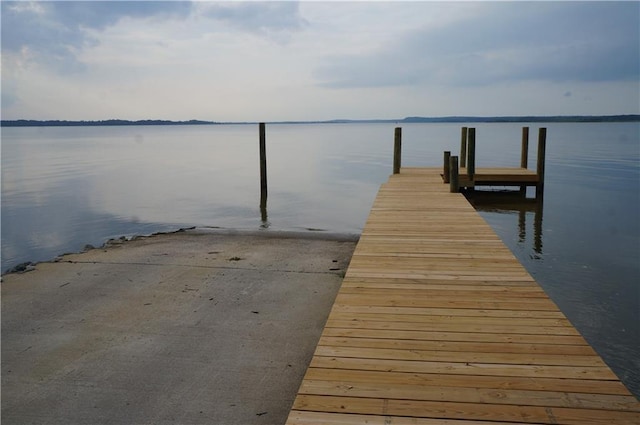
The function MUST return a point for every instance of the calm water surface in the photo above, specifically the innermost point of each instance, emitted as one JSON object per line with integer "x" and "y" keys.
{"x": 65, "y": 187}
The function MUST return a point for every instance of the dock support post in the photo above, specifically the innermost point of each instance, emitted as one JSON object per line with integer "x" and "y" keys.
{"x": 542, "y": 142}
{"x": 471, "y": 154}
{"x": 397, "y": 150}
{"x": 463, "y": 147}
{"x": 454, "y": 172}
{"x": 447, "y": 166}
{"x": 263, "y": 167}
{"x": 524, "y": 155}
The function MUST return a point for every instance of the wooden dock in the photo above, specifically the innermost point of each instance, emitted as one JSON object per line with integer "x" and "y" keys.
{"x": 436, "y": 322}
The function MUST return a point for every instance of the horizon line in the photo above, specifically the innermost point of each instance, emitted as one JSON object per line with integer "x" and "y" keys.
{"x": 408, "y": 119}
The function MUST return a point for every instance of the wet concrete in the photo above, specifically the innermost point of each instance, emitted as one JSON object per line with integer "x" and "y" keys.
{"x": 196, "y": 327}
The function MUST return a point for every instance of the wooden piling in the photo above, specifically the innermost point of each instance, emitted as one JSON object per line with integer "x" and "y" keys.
{"x": 471, "y": 153}
{"x": 454, "y": 172}
{"x": 447, "y": 166}
{"x": 524, "y": 154}
{"x": 542, "y": 142}
{"x": 463, "y": 147}
{"x": 263, "y": 166}
{"x": 397, "y": 150}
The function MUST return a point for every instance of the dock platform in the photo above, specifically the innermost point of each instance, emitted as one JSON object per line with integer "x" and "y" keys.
{"x": 461, "y": 172}
{"x": 499, "y": 177}
{"x": 437, "y": 322}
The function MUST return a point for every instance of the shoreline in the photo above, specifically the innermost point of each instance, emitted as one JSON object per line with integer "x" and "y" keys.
{"x": 27, "y": 266}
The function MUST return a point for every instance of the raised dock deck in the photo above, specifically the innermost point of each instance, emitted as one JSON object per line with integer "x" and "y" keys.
{"x": 461, "y": 172}
{"x": 437, "y": 322}
{"x": 499, "y": 177}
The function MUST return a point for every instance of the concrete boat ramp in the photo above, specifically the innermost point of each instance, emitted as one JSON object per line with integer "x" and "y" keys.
{"x": 193, "y": 327}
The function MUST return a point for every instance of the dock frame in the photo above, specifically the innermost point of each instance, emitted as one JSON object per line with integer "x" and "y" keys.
{"x": 461, "y": 172}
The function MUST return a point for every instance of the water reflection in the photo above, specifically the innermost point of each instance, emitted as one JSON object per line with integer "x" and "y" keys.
{"x": 510, "y": 202}
{"x": 64, "y": 221}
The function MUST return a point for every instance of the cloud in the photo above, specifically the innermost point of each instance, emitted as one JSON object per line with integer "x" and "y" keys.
{"x": 262, "y": 17}
{"x": 9, "y": 95}
{"x": 275, "y": 60}
{"x": 52, "y": 33}
{"x": 502, "y": 42}
{"x": 100, "y": 14}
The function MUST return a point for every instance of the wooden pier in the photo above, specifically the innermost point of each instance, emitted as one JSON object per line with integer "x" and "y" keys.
{"x": 437, "y": 322}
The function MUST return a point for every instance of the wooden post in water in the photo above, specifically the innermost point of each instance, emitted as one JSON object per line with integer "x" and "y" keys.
{"x": 524, "y": 156}
{"x": 542, "y": 143}
{"x": 463, "y": 147}
{"x": 447, "y": 166}
{"x": 471, "y": 154}
{"x": 454, "y": 172}
{"x": 397, "y": 150}
{"x": 263, "y": 167}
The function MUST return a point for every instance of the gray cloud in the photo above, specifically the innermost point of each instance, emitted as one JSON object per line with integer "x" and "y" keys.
{"x": 53, "y": 32}
{"x": 101, "y": 14}
{"x": 258, "y": 16}
{"x": 564, "y": 41}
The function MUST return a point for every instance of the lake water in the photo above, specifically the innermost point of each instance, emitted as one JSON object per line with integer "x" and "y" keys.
{"x": 65, "y": 187}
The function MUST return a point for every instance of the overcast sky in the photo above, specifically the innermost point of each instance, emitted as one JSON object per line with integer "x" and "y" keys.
{"x": 272, "y": 61}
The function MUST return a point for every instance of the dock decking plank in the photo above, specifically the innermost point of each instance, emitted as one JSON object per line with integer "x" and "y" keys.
{"x": 466, "y": 369}
{"x": 436, "y": 322}
{"x": 459, "y": 410}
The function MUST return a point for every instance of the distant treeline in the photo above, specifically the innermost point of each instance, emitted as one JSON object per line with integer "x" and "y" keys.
{"x": 561, "y": 118}
{"x": 453, "y": 119}
{"x": 64, "y": 123}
